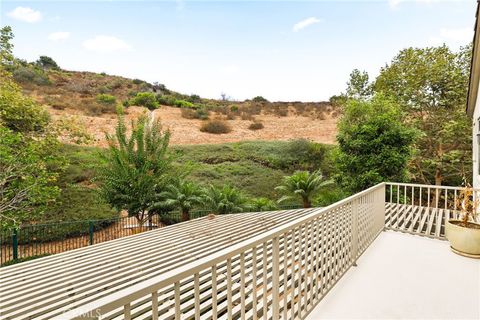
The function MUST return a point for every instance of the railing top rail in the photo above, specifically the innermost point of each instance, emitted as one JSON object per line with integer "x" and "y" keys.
{"x": 142, "y": 289}
{"x": 431, "y": 186}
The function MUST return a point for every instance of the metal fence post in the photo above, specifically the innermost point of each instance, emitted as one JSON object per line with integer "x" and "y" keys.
{"x": 354, "y": 231}
{"x": 15, "y": 243}
{"x": 90, "y": 231}
{"x": 275, "y": 278}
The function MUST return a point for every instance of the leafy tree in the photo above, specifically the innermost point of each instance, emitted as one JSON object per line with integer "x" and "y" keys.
{"x": 259, "y": 99}
{"x": 302, "y": 185}
{"x": 224, "y": 200}
{"x": 430, "y": 84}
{"x": 26, "y": 176}
{"x": 374, "y": 144}
{"x": 17, "y": 111}
{"x": 6, "y": 46}
{"x": 359, "y": 87}
{"x": 46, "y": 63}
{"x": 262, "y": 204}
{"x": 185, "y": 196}
{"x": 138, "y": 168}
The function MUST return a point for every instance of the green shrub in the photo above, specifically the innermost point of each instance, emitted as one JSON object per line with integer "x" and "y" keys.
{"x": 31, "y": 75}
{"x": 194, "y": 98}
{"x": 183, "y": 104}
{"x": 259, "y": 99}
{"x": 200, "y": 113}
{"x": 105, "y": 89}
{"x": 19, "y": 112}
{"x": 256, "y": 125}
{"x": 106, "y": 98}
{"x": 137, "y": 81}
{"x": 328, "y": 196}
{"x": 215, "y": 126}
{"x": 144, "y": 99}
{"x": 166, "y": 100}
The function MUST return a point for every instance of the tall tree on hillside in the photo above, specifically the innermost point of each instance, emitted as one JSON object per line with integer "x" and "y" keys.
{"x": 6, "y": 46}
{"x": 374, "y": 144}
{"x": 46, "y": 63}
{"x": 29, "y": 159}
{"x": 359, "y": 86}
{"x": 138, "y": 168}
{"x": 430, "y": 84}
{"x": 302, "y": 185}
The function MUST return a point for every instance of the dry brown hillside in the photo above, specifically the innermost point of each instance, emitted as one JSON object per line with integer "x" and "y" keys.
{"x": 73, "y": 97}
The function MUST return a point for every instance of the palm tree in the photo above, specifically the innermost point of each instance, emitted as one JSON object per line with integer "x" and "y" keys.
{"x": 263, "y": 204}
{"x": 303, "y": 185}
{"x": 183, "y": 195}
{"x": 224, "y": 200}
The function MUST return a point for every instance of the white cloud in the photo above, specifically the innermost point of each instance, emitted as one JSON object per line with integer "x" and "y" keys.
{"x": 305, "y": 23}
{"x": 59, "y": 36}
{"x": 105, "y": 44}
{"x": 25, "y": 14}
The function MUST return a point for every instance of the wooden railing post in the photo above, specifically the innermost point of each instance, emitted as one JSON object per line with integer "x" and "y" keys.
{"x": 354, "y": 231}
{"x": 275, "y": 278}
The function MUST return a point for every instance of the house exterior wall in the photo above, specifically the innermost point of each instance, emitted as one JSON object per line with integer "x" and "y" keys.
{"x": 476, "y": 142}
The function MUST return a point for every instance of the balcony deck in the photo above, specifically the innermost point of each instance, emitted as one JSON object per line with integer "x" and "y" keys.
{"x": 402, "y": 276}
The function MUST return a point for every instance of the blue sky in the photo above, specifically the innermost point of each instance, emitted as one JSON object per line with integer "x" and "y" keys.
{"x": 282, "y": 50}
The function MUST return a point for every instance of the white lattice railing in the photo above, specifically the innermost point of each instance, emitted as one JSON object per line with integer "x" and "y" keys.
{"x": 282, "y": 273}
{"x": 421, "y": 209}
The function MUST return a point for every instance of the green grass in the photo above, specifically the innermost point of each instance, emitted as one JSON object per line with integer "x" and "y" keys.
{"x": 79, "y": 199}
{"x": 254, "y": 167}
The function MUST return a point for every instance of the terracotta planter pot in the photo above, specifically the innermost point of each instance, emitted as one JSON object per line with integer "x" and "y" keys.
{"x": 463, "y": 240}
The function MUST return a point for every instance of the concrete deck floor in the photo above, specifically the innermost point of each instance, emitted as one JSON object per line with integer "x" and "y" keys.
{"x": 402, "y": 276}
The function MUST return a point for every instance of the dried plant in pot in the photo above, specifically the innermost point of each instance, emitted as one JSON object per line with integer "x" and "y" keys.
{"x": 464, "y": 233}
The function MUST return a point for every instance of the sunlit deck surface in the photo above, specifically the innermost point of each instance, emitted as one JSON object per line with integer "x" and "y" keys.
{"x": 402, "y": 276}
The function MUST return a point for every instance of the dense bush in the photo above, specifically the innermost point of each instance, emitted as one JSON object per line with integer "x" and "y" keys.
{"x": 256, "y": 125}
{"x": 259, "y": 99}
{"x": 30, "y": 74}
{"x": 201, "y": 113}
{"x": 17, "y": 111}
{"x": 194, "y": 98}
{"x": 183, "y": 104}
{"x": 329, "y": 195}
{"x": 374, "y": 144}
{"x": 106, "y": 98}
{"x": 215, "y": 126}
{"x": 144, "y": 99}
{"x": 166, "y": 100}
